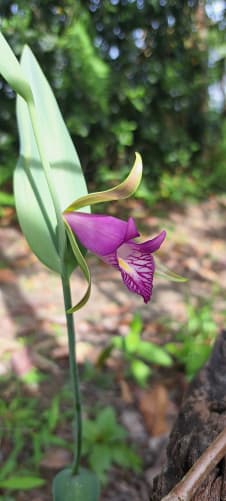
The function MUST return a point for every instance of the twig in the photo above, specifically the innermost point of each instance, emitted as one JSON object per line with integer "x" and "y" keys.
{"x": 189, "y": 484}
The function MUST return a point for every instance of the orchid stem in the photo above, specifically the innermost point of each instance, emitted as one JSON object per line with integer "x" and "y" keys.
{"x": 73, "y": 372}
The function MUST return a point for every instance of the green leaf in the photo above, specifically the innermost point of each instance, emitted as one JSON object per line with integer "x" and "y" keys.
{"x": 196, "y": 359}
{"x": 104, "y": 355}
{"x": 153, "y": 353}
{"x": 90, "y": 432}
{"x": 6, "y": 198}
{"x": 107, "y": 425}
{"x": 125, "y": 456}
{"x": 53, "y": 414}
{"x": 132, "y": 340}
{"x": 140, "y": 371}
{"x": 82, "y": 487}
{"x": 106, "y": 422}
{"x": 118, "y": 342}
{"x": 36, "y": 212}
{"x": 24, "y": 483}
{"x": 11, "y": 462}
{"x": 136, "y": 324}
{"x": 57, "y": 142}
{"x": 100, "y": 458}
{"x": 33, "y": 376}
{"x": 11, "y": 70}
{"x": 174, "y": 349}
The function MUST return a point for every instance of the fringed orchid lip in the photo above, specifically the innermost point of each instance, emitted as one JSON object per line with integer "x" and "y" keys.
{"x": 112, "y": 239}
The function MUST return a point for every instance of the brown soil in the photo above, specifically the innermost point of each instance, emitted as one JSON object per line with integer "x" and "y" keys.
{"x": 31, "y": 306}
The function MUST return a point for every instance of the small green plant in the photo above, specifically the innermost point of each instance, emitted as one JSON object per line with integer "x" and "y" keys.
{"x": 27, "y": 431}
{"x": 91, "y": 373}
{"x": 104, "y": 444}
{"x": 194, "y": 341}
{"x": 137, "y": 353}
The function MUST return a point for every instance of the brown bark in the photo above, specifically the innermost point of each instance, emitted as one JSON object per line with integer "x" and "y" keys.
{"x": 201, "y": 419}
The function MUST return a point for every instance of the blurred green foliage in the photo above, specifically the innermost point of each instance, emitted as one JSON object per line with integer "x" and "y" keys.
{"x": 194, "y": 341}
{"x": 26, "y": 433}
{"x": 191, "y": 346}
{"x": 29, "y": 429}
{"x": 138, "y": 355}
{"x": 128, "y": 75}
{"x": 104, "y": 444}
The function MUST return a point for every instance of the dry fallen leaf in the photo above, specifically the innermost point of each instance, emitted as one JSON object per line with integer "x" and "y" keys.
{"x": 56, "y": 458}
{"x": 7, "y": 276}
{"x": 154, "y": 405}
{"x": 126, "y": 392}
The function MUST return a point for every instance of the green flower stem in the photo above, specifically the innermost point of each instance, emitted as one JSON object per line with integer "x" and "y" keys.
{"x": 73, "y": 372}
{"x": 46, "y": 167}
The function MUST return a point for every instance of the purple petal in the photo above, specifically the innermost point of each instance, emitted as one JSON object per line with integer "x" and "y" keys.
{"x": 111, "y": 259}
{"x": 131, "y": 231}
{"x": 99, "y": 233}
{"x": 152, "y": 245}
{"x": 137, "y": 270}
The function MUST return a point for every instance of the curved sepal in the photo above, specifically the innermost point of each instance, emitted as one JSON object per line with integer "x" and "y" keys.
{"x": 84, "y": 267}
{"x": 162, "y": 271}
{"x": 81, "y": 487}
{"x": 123, "y": 190}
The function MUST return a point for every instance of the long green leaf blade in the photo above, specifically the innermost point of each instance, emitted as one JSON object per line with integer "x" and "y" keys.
{"x": 11, "y": 70}
{"x": 67, "y": 173}
{"x": 34, "y": 203}
{"x": 22, "y": 482}
{"x": 35, "y": 211}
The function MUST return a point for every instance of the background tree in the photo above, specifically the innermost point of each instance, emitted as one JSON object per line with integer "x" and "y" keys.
{"x": 128, "y": 74}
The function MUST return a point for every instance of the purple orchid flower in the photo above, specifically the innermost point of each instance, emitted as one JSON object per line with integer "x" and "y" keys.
{"x": 112, "y": 240}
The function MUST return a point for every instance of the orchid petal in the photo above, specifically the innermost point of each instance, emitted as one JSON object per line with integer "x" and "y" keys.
{"x": 111, "y": 259}
{"x": 123, "y": 190}
{"x": 137, "y": 270}
{"x": 99, "y": 233}
{"x": 151, "y": 245}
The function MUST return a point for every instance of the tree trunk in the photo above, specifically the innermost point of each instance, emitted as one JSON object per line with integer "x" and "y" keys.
{"x": 201, "y": 418}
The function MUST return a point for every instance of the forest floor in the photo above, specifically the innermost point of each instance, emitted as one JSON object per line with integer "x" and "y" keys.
{"x": 33, "y": 332}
